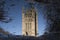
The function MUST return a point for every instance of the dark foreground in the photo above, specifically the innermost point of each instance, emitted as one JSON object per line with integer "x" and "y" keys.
{"x": 53, "y": 36}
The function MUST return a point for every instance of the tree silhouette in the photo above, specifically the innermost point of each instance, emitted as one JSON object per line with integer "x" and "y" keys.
{"x": 53, "y": 14}
{"x": 3, "y": 31}
{"x": 3, "y": 13}
{"x": 53, "y": 18}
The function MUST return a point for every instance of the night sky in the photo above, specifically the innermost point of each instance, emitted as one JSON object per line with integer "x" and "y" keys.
{"x": 15, "y": 12}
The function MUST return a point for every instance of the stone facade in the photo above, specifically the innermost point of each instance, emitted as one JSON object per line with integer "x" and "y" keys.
{"x": 29, "y": 22}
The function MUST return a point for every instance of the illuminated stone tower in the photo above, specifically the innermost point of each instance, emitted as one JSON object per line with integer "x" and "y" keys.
{"x": 29, "y": 21}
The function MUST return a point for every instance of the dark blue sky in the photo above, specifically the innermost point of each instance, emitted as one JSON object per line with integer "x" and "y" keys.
{"x": 15, "y": 12}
